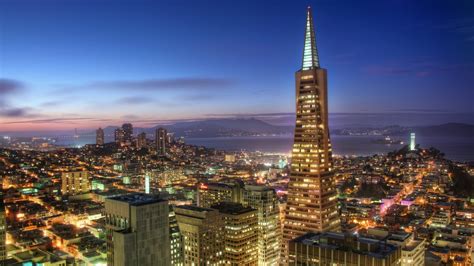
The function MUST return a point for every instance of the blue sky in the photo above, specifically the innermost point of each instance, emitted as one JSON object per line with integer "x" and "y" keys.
{"x": 68, "y": 64}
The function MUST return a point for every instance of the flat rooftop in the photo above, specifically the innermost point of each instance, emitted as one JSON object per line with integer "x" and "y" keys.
{"x": 192, "y": 208}
{"x": 339, "y": 241}
{"x": 258, "y": 188}
{"x": 399, "y": 236}
{"x": 232, "y": 208}
{"x": 138, "y": 199}
{"x": 215, "y": 185}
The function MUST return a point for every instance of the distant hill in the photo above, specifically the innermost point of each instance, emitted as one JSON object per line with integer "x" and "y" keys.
{"x": 231, "y": 127}
{"x": 217, "y": 128}
{"x": 443, "y": 130}
{"x": 253, "y": 127}
{"x": 447, "y": 130}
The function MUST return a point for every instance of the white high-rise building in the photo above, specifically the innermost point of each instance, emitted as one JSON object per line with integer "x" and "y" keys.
{"x": 147, "y": 184}
{"x": 412, "y": 142}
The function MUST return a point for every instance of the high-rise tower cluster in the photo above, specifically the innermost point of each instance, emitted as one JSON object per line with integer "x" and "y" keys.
{"x": 243, "y": 207}
{"x": 124, "y": 137}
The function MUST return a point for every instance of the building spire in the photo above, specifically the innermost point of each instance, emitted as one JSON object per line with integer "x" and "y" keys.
{"x": 310, "y": 52}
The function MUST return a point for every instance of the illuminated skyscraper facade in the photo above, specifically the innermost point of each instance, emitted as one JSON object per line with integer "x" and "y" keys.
{"x": 311, "y": 205}
{"x": 265, "y": 201}
{"x": 176, "y": 240}
{"x": 141, "y": 140}
{"x": 203, "y": 235}
{"x": 161, "y": 139}
{"x": 209, "y": 194}
{"x": 147, "y": 184}
{"x": 100, "y": 139}
{"x": 240, "y": 233}
{"x": 412, "y": 142}
{"x": 119, "y": 136}
{"x": 127, "y": 133}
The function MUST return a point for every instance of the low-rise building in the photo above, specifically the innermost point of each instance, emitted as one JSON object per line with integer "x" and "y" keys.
{"x": 75, "y": 182}
{"x": 413, "y": 250}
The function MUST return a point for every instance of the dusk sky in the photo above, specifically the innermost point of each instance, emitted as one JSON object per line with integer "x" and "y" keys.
{"x": 84, "y": 64}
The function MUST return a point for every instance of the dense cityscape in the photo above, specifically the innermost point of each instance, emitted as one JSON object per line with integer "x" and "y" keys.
{"x": 154, "y": 199}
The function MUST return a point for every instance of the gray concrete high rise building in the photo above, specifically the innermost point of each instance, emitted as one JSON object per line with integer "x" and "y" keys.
{"x": 119, "y": 136}
{"x": 141, "y": 140}
{"x": 99, "y": 137}
{"x": 127, "y": 133}
{"x": 161, "y": 139}
{"x": 312, "y": 203}
{"x": 137, "y": 230}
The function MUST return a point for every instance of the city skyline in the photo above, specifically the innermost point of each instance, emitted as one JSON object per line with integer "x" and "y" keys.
{"x": 57, "y": 65}
{"x": 160, "y": 133}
